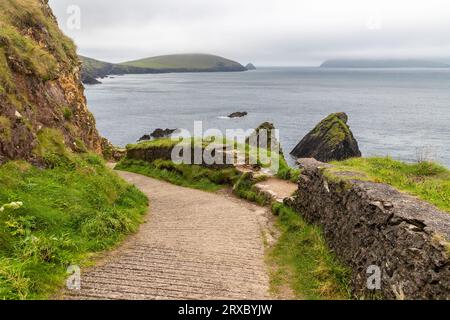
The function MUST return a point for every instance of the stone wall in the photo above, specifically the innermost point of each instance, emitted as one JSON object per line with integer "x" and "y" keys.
{"x": 372, "y": 224}
{"x": 152, "y": 153}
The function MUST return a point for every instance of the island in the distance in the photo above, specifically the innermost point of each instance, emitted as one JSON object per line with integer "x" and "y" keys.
{"x": 382, "y": 63}
{"x": 250, "y": 66}
{"x": 93, "y": 69}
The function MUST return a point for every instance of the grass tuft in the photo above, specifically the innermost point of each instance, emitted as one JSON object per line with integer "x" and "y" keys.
{"x": 192, "y": 176}
{"x": 426, "y": 180}
{"x": 304, "y": 261}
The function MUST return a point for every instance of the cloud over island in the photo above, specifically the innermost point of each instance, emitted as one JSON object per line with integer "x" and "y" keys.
{"x": 267, "y": 32}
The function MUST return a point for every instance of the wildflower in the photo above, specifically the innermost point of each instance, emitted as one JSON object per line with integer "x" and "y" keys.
{"x": 12, "y": 206}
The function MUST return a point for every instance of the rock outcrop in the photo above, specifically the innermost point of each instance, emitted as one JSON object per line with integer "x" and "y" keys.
{"x": 41, "y": 94}
{"x": 263, "y": 136}
{"x": 250, "y": 66}
{"x": 372, "y": 227}
{"x": 162, "y": 133}
{"x": 158, "y": 134}
{"x": 330, "y": 140}
{"x": 238, "y": 115}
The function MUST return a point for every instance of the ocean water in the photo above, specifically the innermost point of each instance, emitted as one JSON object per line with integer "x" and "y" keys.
{"x": 395, "y": 112}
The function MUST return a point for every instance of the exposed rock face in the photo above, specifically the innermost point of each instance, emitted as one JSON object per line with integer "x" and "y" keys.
{"x": 145, "y": 137}
{"x": 40, "y": 81}
{"x": 330, "y": 140}
{"x": 162, "y": 133}
{"x": 157, "y": 134}
{"x": 372, "y": 224}
{"x": 238, "y": 114}
{"x": 250, "y": 66}
{"x": 88, "y": 79}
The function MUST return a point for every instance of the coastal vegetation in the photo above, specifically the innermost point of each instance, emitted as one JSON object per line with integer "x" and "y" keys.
{"x": 26, "y": 52}
{"x": 93, "y": 69}
{"x": 192, "y": 176}
{"x": 426, "y": 180}
{"x": 303, "y": 262}
{"x": 59, "y": 203}
{"x": 300, "y": 259}
{"x": 53, "y": 218}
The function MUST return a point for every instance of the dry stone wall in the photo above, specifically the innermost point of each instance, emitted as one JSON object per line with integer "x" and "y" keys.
{"x": 372, "y": 226}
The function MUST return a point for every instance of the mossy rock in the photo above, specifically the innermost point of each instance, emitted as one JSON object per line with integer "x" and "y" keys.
{"x": 263, "y": 140}
{"x": 330, "y": 140}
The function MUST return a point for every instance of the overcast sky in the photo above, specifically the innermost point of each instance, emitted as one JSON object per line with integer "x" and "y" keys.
{"x": 265, "y": 32}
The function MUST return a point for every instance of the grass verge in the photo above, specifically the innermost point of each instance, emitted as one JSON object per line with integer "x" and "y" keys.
{"x": 60, "y": 217}
{"x": 245, "y": 188}
{"x": 428, "y": 181}
{"x": 304, "y": 262}
{"x": 192, "y": 176}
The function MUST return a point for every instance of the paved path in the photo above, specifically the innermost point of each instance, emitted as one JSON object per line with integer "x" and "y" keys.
{"x": 194, "y": 245}
{"x": 278, "y": 189}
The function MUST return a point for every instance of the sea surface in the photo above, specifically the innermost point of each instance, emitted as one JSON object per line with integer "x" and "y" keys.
{"x": 403, "y": 113}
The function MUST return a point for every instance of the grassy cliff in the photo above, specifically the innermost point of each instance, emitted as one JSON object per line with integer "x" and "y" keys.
{"x": 59, "y": 203}
{"x": 91, "y": 69}
{"x": 39, "y": 83}
{"x": 188, "y": 62}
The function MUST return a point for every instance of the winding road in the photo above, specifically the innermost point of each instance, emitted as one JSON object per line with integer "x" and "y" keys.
{"x": 193, "y": 245}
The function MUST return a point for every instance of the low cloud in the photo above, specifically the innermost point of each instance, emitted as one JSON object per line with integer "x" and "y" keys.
{"x": 266, "y": 32}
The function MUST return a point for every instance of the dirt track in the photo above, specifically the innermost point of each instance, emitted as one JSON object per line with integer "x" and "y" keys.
{"x": 194, "y": 245}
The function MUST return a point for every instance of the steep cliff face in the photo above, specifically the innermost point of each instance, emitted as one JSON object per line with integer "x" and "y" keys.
{"x": 41, "y": 94}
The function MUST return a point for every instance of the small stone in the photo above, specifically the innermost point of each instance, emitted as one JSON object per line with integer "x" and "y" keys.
{"x": 238, "y": 115}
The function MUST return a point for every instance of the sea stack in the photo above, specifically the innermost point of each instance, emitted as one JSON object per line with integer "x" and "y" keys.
{"x": 263, "y": 136}
{"x": 250, "y": 66}
{"x": 330, "y": 140}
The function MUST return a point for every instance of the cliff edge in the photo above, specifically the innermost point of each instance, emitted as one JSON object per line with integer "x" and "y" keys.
{"x": 41, "y": 95}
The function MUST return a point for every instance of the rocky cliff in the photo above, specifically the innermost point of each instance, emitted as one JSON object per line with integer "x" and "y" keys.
{"x": 41, "y": 95}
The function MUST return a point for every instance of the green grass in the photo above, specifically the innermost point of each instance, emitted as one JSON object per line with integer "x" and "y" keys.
{"x": 183, "y": 61}
{"x": 42, "y": 54}
{"x": 192, "y": 176}
{"x": 284, "y": 172}
{"x": 304, "y": 262}
{"x": 336, "y": 130}
{"x": 26, "y": 51}
{"x": 69, "y": 212}
{"x": 156, "y": 143}
{"x": 91, "y": 65}
{"x": 5, "y": 129}
{"x": 245, "y": 189}
{"x": 428, "y": 181}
